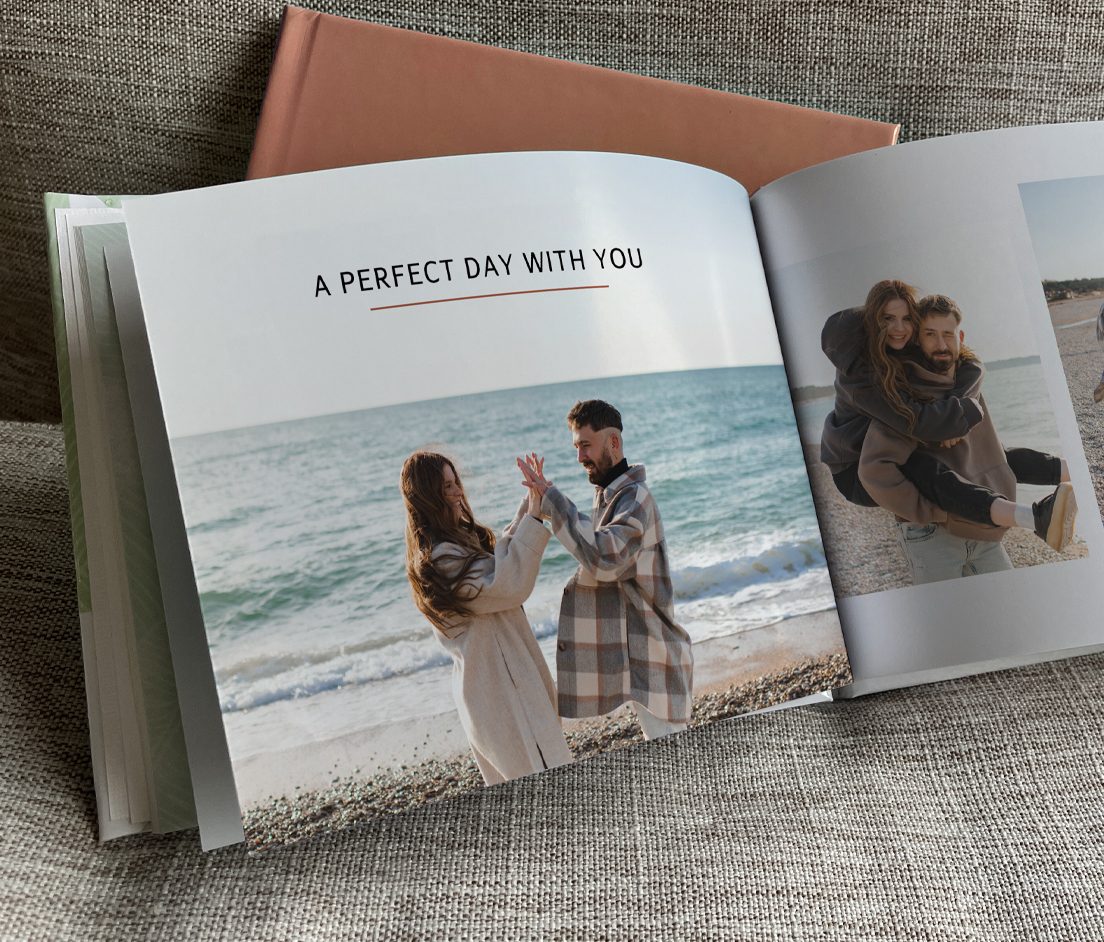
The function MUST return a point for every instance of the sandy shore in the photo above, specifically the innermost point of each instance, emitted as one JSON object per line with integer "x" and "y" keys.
{"x": 861, "y": 542}
{"x": 1082, "y": 359}
{"x": 403, "y": 765}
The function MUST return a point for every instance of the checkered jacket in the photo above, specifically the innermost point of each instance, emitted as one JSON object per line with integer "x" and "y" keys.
{"x": 618, "y": 639}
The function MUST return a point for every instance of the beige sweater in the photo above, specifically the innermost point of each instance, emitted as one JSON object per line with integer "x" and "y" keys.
{"x": 501, "y": 683}
{"x": 979, "y": 457}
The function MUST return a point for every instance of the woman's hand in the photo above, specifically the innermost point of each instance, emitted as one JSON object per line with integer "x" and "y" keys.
{"x": 534, "y": 509}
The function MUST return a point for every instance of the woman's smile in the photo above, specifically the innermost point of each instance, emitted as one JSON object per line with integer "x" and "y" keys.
{"x": 898, "y": 327}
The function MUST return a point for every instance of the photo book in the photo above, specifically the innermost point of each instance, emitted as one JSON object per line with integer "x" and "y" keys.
{"x": 394, "y": 481}
{"x": 343, "y": 92}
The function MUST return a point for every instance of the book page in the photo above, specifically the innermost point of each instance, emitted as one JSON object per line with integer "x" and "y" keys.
{"x": 172, "y": 806}
{"x": 111, "y": 713}
{"x": 140, "y": 767}
{"x": 935, "y": 579}
{"x": 212, "y": 799}
{"x": 351, "y": 363}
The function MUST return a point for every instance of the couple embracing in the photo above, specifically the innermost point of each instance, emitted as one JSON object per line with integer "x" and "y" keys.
{"x": 617, "y": 641}
{"x": 911, "y": 433}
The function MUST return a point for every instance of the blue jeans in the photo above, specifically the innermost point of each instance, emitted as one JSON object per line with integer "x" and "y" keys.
{"x": 933, "y": 554}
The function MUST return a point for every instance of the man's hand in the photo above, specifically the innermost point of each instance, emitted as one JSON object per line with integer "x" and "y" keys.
{"x": 950, "y": 442}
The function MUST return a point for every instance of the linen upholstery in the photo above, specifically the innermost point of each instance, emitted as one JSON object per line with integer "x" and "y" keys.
{"x": 965, "y": 810}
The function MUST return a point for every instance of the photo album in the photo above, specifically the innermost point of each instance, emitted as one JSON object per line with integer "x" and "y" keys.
{"x": 394, "y": 481}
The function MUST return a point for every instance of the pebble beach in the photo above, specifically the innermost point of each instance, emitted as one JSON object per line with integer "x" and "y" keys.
{"x": 347, "y": 801}
{"x": 1082, "y": 359}
{"x": 861, "y": 546}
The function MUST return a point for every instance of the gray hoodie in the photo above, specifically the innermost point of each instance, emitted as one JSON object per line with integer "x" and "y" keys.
{"x": 858, "y": 398}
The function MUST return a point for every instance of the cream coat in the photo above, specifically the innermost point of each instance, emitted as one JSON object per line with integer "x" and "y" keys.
{"x": 503, "y": 689}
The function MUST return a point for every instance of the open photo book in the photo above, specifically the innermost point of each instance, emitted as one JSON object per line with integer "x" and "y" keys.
{"x": 396, "y": 481}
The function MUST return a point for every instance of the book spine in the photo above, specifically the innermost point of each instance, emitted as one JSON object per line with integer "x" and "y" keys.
{"x": 281, "y": 99}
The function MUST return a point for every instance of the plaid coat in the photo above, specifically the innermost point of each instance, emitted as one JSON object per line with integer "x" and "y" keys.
{"x": 618, "y": 639}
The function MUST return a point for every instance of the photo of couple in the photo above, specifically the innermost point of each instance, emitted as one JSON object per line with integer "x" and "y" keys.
{"x": 927, "y": 463}
{"x": 617, "y": 638}
{"x": 401, "y": 609}
{"x": 375, "y": 647}
{"x": 910, "y": 433}
{"x": 1063, "y": 222}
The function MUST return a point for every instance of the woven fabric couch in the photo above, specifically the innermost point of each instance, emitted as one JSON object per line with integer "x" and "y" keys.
{"x": 964, "y": 810}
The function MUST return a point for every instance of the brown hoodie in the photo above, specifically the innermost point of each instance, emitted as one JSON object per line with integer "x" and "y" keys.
{"x": 979, "y": 457}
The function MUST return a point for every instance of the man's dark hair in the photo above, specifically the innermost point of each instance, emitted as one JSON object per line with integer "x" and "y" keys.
{"x": 937, "y": 305}
{"x": 595, "y": 413}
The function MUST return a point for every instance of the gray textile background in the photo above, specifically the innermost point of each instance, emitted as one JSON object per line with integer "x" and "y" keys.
{"x": 964, "y": 810}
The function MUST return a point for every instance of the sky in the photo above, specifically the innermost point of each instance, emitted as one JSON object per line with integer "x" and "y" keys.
{"x": 1066, "y": 221}
{"x": 987, "y": 286}
{"x": 242, "y": 334}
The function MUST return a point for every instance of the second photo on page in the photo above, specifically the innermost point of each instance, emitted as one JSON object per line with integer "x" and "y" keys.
{"x": 1064, "y": 221}
{"x": 929, "y": 436}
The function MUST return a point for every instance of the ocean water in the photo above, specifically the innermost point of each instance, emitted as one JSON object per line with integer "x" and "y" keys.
{"x": 296, "y": 529}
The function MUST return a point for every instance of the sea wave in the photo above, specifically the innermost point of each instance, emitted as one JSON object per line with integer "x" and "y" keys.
{"x": 770, "y": 580}
{"x": 726, "y": 577}
{"x": 258, "y": 680}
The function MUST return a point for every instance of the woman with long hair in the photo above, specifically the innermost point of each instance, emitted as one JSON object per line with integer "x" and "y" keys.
{"x": 471, "y": 587}
{"x": 873, "y": 348}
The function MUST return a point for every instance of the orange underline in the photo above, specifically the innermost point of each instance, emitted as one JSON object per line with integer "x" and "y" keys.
{"x": 478, "y": 297}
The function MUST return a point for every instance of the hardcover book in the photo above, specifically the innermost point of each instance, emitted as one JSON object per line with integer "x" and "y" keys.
{"x": 344, "y": 92}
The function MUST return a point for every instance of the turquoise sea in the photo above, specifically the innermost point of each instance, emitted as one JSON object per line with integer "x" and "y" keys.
{"x": 296, "y": 529}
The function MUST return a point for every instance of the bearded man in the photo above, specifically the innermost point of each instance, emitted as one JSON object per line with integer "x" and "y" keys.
{"x": 940, "y": 545}
{"x": 618, "y": 641}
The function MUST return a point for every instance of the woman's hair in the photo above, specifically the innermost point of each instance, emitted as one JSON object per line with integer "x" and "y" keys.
{"x": 887, "y": 369}
{"x": 430, "y": 520}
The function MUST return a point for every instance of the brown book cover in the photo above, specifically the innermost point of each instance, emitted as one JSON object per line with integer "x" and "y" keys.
{"x": 345, "y": 92}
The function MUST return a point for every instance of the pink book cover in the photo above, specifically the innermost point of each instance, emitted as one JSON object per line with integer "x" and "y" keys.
{"x": 344, "y": 92}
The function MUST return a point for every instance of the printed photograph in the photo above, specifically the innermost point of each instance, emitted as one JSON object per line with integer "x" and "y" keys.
{"x": 1063, "y": 218}
{"x": 929, "y": 436}
{"x": 399, "y": 610}
{"x": 471, "y": 495}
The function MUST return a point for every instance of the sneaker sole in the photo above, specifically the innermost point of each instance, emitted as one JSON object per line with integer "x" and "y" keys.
{"x": 1098, "y": 393}
{"x": 1064, "y": 514}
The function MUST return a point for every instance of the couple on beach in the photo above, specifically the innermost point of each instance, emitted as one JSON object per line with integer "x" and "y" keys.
{"x": 617, "y": 639}
{"x": 911, "y": 433}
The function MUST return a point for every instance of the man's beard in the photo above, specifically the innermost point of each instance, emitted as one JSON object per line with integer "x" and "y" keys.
{"x": 945, "y": 365}
{"x": 597, "y": 471}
